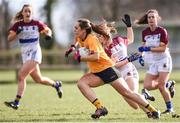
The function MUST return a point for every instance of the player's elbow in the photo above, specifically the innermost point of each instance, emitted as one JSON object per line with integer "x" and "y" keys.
{"x": 10, "y": 38}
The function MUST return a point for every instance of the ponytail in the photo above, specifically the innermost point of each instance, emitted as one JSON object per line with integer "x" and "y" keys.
{"x": 142, "y": 20}
{"x": 102, "y": 29}
{"x": 18, "y": 17}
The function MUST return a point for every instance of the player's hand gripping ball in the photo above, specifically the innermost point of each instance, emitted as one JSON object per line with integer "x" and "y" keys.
{"x": 80, "y": 53}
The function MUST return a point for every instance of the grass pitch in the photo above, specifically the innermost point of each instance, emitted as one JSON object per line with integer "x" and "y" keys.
{"x": 41, "y": 104}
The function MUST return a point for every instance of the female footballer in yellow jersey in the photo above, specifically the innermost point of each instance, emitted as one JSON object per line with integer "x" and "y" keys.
{"x": 95, "y": 47}
{"x": 102, "y": 70}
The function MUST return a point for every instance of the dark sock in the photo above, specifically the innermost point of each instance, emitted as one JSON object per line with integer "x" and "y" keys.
{"x": 169, "y": 105}
{"x": 55, "y": 85}
{"x": 17, "y": 99}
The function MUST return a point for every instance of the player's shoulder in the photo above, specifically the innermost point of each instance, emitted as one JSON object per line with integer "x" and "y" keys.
{"x": 91, "y": 37}
{"x": 20, "y": 22}
{"x": 160, "y": 28}
{"x": 36, "y": 21}
{"x": 119, "y": 38}
{"x": 147, "y": 29}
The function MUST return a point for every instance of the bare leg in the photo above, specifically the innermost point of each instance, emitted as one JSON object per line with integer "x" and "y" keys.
{"x": 150, "y": 82}
{"x": 162, "y": 79}
{"x": 121, "y": 86}
{"x": 133, "y": 85}
{"x": 37, "y": 77}
{"x": 24, "y": 71}
{"x": 86, "y": 82}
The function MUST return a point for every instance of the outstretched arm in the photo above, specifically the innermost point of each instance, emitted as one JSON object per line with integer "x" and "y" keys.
{"x": 130, "y": 33}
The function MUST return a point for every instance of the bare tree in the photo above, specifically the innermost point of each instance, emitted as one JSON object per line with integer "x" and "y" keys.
{"x": 48, "y": 7}
{"x": 5, "y": 21}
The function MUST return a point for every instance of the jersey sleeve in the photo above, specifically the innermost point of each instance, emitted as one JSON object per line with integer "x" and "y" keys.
{"x": 41, "y": 26}
{"x": 14, "y": 27}
{"x": 120, "y": 39}
{"x": 143, "y": 35}
{"x": 164, "y": 36}
{"x": 124, "y": 40}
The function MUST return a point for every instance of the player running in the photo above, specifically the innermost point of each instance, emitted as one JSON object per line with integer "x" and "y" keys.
{"x": 156, "y": 53}
{"x": 27, "y": 31}
{"x": 102, "y": 70}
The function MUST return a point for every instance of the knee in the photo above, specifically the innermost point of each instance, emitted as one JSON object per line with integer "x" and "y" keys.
{"x": 78, "y": 84}
{"x": 127, "y": 93}
{"x": 82, "y": 84}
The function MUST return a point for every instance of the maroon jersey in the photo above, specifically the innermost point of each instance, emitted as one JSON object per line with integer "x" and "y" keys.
{"x": 153, "y": 39}
{"x": 30, "y": 31}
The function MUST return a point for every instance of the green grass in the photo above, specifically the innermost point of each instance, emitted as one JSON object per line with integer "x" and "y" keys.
{"x": 40, "y": 103}
{"x": 69, "y": 75}
{"x": 65, "y": 75}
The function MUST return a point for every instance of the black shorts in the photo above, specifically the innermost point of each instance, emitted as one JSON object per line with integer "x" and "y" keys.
{"x": 108, "y": 75}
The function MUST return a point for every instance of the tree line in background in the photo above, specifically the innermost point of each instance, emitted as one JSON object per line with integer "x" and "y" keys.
{"x": 111, "y": 10}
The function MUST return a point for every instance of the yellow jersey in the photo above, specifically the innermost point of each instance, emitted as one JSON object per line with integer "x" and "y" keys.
{"x": 92, "y": 43}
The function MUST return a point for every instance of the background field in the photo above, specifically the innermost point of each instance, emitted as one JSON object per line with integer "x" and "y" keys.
{"x": 41, "y": 103}
{"x": 68, "y": 76}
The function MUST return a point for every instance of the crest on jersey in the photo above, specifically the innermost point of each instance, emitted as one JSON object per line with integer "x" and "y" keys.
{"x": 165, "y": 65}
{"x": 128, "y": 73}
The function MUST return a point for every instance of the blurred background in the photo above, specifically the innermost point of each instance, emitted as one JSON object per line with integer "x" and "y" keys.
{"x": 60, "y": 16}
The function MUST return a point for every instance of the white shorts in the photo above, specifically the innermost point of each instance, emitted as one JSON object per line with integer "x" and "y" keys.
{"x": 129, "y": 71}
{"x": 31, "y": 53}
{"x": 163, "y": 65}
